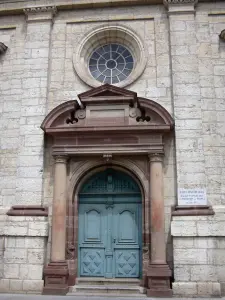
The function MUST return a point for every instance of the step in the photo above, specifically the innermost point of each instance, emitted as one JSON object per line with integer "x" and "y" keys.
{"x": 103, "y": 295}
{"x": 107, "y": 289}
{"x": 107, "y": 281}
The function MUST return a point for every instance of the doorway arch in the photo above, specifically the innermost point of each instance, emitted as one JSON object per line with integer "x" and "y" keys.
{"x": 108, "y": 126}
{"x": 109, "y": 226}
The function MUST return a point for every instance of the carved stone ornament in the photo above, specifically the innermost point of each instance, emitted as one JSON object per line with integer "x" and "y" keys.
{"x": 81, "y": 114}
{"x": 60, "y": 159}
{"x": 167, "y": 3}
{"x": 180, "y": 2}
{"x": 3, "y": 48}
{"x": 107, "y": 157}
{"x": 156, "y": 157}
{"x": 40, "y": 13}
{"x": 70, "y": 251}
{"x": 222, "y": 35}
{"x": 133, "y": 112}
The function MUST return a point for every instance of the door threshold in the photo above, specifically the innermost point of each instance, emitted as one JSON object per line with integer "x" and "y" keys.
{"x": 125, "y": 279}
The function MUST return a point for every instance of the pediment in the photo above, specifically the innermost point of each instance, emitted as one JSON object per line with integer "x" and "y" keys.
{"x": 107, "y": 90}
{"x": 108, "y": 109}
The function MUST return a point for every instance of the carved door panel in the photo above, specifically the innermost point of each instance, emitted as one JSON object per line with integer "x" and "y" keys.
{"x": 92, "y": 239}
{"x": 126, "y": 238}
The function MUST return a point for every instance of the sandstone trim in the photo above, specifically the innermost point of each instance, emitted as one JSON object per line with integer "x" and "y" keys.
{"x": 200, "y": 210}
{"x": 28, "y": 210}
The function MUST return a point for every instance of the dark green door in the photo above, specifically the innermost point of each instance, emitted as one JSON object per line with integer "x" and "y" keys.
{"x": 110, "y": 226}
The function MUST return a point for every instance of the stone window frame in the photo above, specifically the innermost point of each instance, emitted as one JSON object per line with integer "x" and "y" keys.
{"x": 104, "y": 35}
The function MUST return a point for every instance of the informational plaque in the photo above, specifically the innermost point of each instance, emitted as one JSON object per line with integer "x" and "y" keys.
{"x": 192, "y": 197}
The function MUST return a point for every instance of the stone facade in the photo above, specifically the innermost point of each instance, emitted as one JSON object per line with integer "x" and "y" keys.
{"x": 184, "y": 73}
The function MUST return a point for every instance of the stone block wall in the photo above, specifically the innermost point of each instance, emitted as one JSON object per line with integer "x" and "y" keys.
{"x": 199, "y": 255}
{"x": 184, "y": 73}
{"x": 23, "y": 243}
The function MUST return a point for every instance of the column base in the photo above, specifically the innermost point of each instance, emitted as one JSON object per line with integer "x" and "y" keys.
{"x": 56, "y": 278}
{"x": 159, "y": 281}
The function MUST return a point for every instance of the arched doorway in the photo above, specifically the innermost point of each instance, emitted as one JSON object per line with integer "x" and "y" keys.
{"x": 108, "y": 126}
{"x": 109, "y": 226}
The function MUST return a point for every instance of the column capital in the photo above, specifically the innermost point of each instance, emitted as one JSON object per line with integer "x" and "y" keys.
{"x": 40, "y": 13}
{"x": 180, "y": 6}
{"x": 60, "y": 159}
{"x": 155, "y": 157}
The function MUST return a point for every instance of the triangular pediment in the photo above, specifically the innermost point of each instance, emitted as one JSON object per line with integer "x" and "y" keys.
{"x": 107, "y": 90}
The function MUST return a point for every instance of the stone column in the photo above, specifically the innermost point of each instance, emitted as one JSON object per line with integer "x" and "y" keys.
{"x": 59, "y": 211}
{"x": 159, "y": 272}
{"x": 56, "y": 273}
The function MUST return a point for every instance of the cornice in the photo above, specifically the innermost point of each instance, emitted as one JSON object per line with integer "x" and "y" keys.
{"x": 17, "y": 7}
{"x": 180, "y": 1}
{"x": 180, "y": 6}
{"x": 39, "y": 9}
{"x": 40, "y": 13}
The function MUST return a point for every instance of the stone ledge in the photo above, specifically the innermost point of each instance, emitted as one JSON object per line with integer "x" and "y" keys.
{"x": 200, "y": 210}
{"x": 28, "y": 210}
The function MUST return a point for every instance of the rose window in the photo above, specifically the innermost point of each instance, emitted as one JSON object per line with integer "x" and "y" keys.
{"x": 111, "y": 63}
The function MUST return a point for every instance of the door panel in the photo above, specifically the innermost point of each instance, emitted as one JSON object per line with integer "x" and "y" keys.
{"x": 127, "y": 263}
{"x": 126, "y": 221}
{"x": 92, "y": 262}
{"x": 127, "y": 227}
{"x": 92, "y": 239}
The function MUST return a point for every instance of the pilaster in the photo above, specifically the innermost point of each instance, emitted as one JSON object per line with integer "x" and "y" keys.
{"x": 159, "y": 272}
{"x": 34, "y": 79}
{"x": 56, "y": 274}
{"x": 190, "y": 159}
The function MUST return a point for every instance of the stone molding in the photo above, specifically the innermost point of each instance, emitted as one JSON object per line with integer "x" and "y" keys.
{"x": 198, "y": 210}
{"x": 180, "y": 1}
{"x": 60, "y": 159}
{"x": 28, "y": 210}
{"x": 180, "y": 6}
{"x": 104, "y": 35}
{"x": 155, "y": 157}
{"x": 40, "y": 13}
{"x": 3, "y": 48}
{"x": 56, "y": 276}
{"x": 159, "y": 281}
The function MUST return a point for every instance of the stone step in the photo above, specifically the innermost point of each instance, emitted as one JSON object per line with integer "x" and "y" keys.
{"x": 107, "y": 289}
{"x": 108, "y": 295}
{"x": 107, "y": 281}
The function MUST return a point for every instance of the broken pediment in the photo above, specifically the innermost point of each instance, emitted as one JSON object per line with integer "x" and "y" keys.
{"x": 108, "y": 108}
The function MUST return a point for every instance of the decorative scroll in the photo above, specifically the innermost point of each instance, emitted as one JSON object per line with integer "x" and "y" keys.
{"x": 3, "y": 48}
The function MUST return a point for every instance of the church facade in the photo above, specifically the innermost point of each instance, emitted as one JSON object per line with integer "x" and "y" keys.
{"x": 112, "y": 147}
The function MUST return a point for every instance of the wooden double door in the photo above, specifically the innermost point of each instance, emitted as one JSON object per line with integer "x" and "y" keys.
{"x": 110, "y": 226}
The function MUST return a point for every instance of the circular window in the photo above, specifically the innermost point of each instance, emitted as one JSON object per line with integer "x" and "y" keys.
{"x": 112, "y": 54}
{"x": 111, "y": 63}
